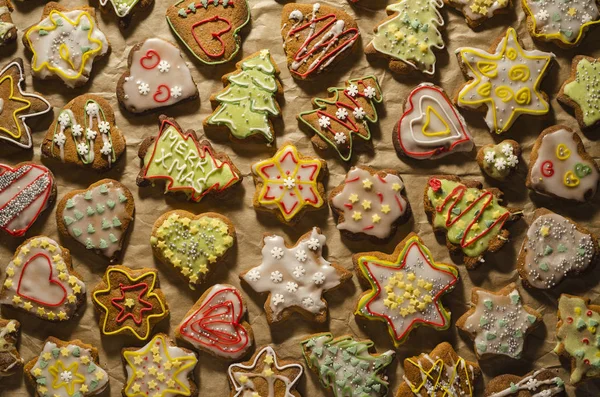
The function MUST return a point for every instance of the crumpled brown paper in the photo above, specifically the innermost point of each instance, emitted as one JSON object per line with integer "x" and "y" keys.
{"x": 263, "y": 32}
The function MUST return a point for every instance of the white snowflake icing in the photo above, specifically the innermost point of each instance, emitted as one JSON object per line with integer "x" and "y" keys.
{"x": 301, "y": 255}
{"x": 289, "y": 183}
{"x": 512, "y": 161}
{"x": 489, "y": 156}
{"x": 276, "y": 277}
{"x": 60, "y": 139}
{"x": 92, "y": 109}
{"x": 507, "y": 149}
{"x": 352, "y": 90}
{"x": 143, "y": 88}
{"x": 586, "y": 18}
{"x": 543, "y": 15}
{"x": 82, "y": 148}
{"x": 341, "y": 113}
{"x": 277, "y": 252}
{"x": 340, "y": 138}
{"x": 318, "y": 278}
{"x": 500, "y": 164}
{"x": 313, "y": 244}
{"x": 299, "y": 271}
{"x": 77, "y": 130}
{"x": 66, "y": 376}
{"x": 291, "y": 286}
{"x": 90, "y": 134}
{"x": 104, "y": 127}
{"x": 324, "y": 121}
{"x": 176, "y": 91}
{"x": 254, "y": 275}
{"x": 359, "y": 113}
{"x": 278, "y": 299}
{"x": 370, "y": 92}
{"x": 106, "y": 149}
{"x": 164, "y": 66}
{"x": 64, "y": 119}
{"x": 307, "y": 302}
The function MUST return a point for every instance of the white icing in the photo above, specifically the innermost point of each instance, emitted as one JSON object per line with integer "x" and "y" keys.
{"x": 530, "y": 384}
{"x": 561, "y": 18}
{"x": 10, "y": 360}
{"x": 478, "y": 9}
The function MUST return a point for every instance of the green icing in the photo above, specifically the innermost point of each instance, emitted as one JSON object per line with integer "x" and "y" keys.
{"x": 477, "y": 241}
{"x": 499, "y": 160}
{"x": 248, "y": 101}
{"x": 186, "y": 166}
{"x": 192, "y": 245}
{"x": 411, "y": 34}
{"x": 584, "y": 90}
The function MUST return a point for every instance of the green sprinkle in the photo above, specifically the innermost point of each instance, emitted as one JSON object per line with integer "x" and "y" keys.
{"x": 88, "y": 195}
{"x": 103, "y": 244}
{"x": 77, "y": 232}
{"x": 103, "y": 189}
{"x": 90, "y": 211}
{"x": 116, "y": 222}
{"x": 90, "y": 229}
{"x": 68, "y": 220}
{"x": 70, "y": 204}
{"x": 111, "y": 204}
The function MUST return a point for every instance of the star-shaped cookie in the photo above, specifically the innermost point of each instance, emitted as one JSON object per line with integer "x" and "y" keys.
{"x": 580, "y": 91}
{"x": 160, "y": 368}
{"x": 406, "y": 287}
{"x": 498, "y": 322}
{"x": 129, "y": 301}
{"x": 506, "y": 79}
{"x": 262, "y": 375}
{"x": 16, "y": 105}
{"x": 295, "y": 277}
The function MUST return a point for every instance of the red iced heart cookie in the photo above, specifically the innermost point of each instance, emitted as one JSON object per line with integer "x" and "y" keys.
{"x": 150, "y": 60}
{"x": 162, "y": 93}
{"x": 32, "y": 286}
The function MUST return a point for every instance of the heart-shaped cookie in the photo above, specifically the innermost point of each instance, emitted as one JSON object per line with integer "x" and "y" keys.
{"x": 26, "y": 190}
{"x": 431, "y": 127}
{"x": 40, "y": 280}
{"x": 192, "y": 244}
{"x": 215, "y": 323}
{"x": 97, "y": 217}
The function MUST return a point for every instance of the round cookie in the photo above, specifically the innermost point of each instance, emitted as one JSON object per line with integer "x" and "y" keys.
{"x": 499, "y": 161}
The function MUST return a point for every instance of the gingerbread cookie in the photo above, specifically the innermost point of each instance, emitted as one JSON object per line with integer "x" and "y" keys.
{"x": 347, "y": 366}
{"x": 477, "y": 12}
{"x": 498, "y": 322}
{"x": 129, "y": 301}
{"x": 237, "y": 110}
{"x": 65, "y": 43}
{"x": 563, "y": 23}
{"x": 316, "y": 38}
{"x": 405, "y": 288}
{"x": 295, "y": 278}
{"x": 192, "y": 244}
{"x": 26, "y": 190}
{"x": 157, "y": 77}
{"x": 577, "y": 337}
{"x": 10, "y": 360}
{"x": 579, "y": 91}
{"x": 555, "y": 248}
{"x": 559, "y": 166}
{"x": 187, "y": 166}
{"x": 289, "y": 184}
{"x": 472, "y": 218}
{"x": 85, "y": 134}
{"x": 370, "y": 204}
{"x": 8, "y": 31}
{"x": 124, "y": 9}
{"x": 265, "y": 375}
{"x": 505, "y": 80}
{"x": 216, "y": 325}
{"x": 539, "y": 383}
{"x": 97, "y": 217}
{"x": 209, "y": 28}
{"x": 19, "y": 105}
{"x": 40, "y": 280}
{"x": 501, "y": 160}
{"x": 160, "y": 368}
{"x": 431, "y": 127}
{"x": 344, "y": 115}
{"x": 66, "y": 369}
{"x": 407, "y": 38}
{"x": 441, "y": 372}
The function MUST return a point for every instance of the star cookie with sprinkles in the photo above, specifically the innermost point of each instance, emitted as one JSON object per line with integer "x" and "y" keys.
{"x": 129, "y": 301}
{"x": 66, "y": 369}
{"x": 561, "y": 22}
{"x": 581, "y": 91}
{"x": 265, "y": 375}
{"x": 505, "y": 80}
{"x": 192, "y": 244}
{"x": 498, "y": 322}
{"x": 405, "y": 288}
{"x": 10, "y": 360}
{"x": 476, "y": 12}
{"x": 159, "y": 369}
{"x": 40, "y": 280}
{"x": 295, "y": 277}
{"x": 17, "y": 106}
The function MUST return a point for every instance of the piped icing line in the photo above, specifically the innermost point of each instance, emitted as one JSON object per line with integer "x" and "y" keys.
{"x": 547, "y": 18}
{"x": 442, "y": 128}
{"x": 530, "y": 384}
{"x": 25, "y": 192}
{"x": 20, "y": 120}
{"x": 491, "y": 70}
{"x": 321, "y": 46}
{"x": 405, "y": 288}
{"x": 159, "y": 368}
{"x": 241, "y": 375}
{"x": 346, "y": 114}
{"x": 122, "y": 7}
{"x": 346, "y": 366}
{"x": 217, "y": 324}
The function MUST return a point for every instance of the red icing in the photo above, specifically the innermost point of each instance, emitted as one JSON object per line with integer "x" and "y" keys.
{"x": 53, "y": 283}
{"x": 162, "y": 94}
{"x": 124, "y": 314}
{"x": 215, "y": 35}
{"x": 569, "y": 320}
{"x": 347, "y": 123}
{"x": 547, "y": 168}
{"x": 435, "y": 185}
{"x": 150, "y": 60}
{"x": 589, "y": 313}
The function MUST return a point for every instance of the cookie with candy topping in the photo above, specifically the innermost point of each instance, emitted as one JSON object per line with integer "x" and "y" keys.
{"x": 580, "y": 91}
{"x": 499, "y": 161}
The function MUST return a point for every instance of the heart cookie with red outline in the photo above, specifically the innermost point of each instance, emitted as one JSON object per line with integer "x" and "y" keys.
{"x": 40, "y": 280}
{"x": 215, "y": 323}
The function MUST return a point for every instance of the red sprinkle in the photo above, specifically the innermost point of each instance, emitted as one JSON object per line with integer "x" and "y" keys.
{"x": 589, "y": 313}
{"x": 586, "y": 341}
{"x": 586, "y": 361}
{"x": 569, "y": 320}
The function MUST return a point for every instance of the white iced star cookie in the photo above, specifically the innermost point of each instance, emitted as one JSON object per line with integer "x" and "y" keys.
{"x": 295, "y": 277}
{"x": 505, "y": 80}
{"x": 477, "y": 12}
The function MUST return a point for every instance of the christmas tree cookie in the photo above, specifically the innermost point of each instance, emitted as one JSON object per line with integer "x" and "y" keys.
{"x": 407, "y": 38}
{"x": 498, "y": 322}
{"x": 346, "y": 114}
{"x": 405, "y": 288}
{"x": 192, "y": 244}
{"x": 185, "y": 164}
{"x": 577, "y": 337}
{"x": 347, "y": 366}
{"x": 504, "y": 80}
{"x": 580, "y": 90}
{"x": 472, "y": 218}
{"x": 248, "y": 102}
{"x": 10, "y": 360}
